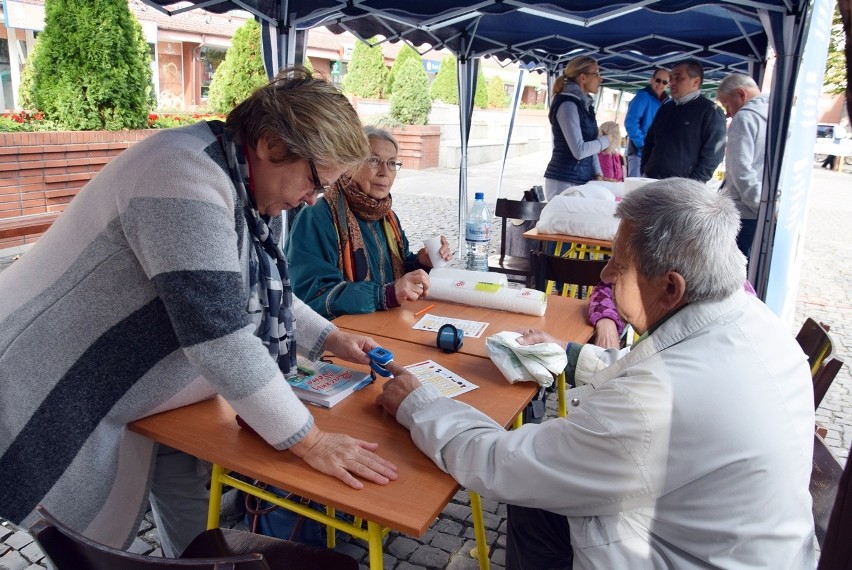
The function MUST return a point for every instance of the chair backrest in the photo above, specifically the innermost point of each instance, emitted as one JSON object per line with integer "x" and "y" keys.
{"x": 565, "y": 270}
{"x": 517, "y": 210}
{"x": 825, "y": 477}
{"x": 816, "y": 343}
{"x": 69, "y": 550}
{"x": 836, "y": 549}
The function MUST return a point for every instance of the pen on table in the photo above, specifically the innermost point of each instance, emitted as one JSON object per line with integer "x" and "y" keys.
{"x": 424, "y": 309}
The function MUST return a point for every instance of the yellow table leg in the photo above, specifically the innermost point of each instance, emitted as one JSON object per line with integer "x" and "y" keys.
{"x": 215, "y": 505}
{"x": 330, "y": 532}
{"x": 560, "y": 388}
{"x": 479, "y": 531}
{"x": 518, "y": 421}
{"x": 374, "y": 540}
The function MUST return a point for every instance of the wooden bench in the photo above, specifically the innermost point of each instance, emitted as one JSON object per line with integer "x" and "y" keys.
{"x": 20, "y": 226}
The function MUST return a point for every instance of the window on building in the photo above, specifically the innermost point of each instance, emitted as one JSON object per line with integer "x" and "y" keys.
{"x": 210, "y": 57}
{"x": 6, "y": 76}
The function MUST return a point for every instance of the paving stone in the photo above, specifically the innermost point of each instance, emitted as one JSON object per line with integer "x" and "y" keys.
{"x": 351, "y": 549}
{"x": 35, "y": 567}
{"x": 492, "y": 521}
{"x": 448, "y": 527}
{"x": 13, "y": 560}
{"x": 456, "y": 512}
{"x": 447, "y": 542}
{"x": 402, "y": 547}
{"x": 489, "y": 506}
{"x": 32, "y": 552}
{"x": 4, "y": 549}
{"x": 461, "y": 562}
{"x": 461, "y": 497}
{"x": 490, "y": 535}
{"x": 5, "y": 531}
{"x": 499, "y": 556}
{"x": 19, "y": 539}
{"x": 430, "y": 557}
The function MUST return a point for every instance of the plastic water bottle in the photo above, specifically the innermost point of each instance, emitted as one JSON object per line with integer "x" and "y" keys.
{"x": 477, "y": 234}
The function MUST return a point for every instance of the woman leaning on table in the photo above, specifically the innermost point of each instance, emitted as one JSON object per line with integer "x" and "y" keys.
{"x": 348, "y": 253}
{"x": 576, "y": 143}
{"x": 161, "y": 285}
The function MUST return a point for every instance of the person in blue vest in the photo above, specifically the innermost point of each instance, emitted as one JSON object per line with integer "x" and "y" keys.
{"x": 640, "y": 114}
{"x": 576, "y": 143}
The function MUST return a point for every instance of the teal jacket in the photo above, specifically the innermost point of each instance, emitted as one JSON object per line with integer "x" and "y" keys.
{"x": 313, "y": 248}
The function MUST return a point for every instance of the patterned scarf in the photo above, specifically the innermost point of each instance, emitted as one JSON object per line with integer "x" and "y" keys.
{"x": 347, "y": 201}
{"x": 269, "y": 275}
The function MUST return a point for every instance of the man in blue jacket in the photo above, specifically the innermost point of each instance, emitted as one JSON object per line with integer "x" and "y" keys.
{"x": 640, "y": 115}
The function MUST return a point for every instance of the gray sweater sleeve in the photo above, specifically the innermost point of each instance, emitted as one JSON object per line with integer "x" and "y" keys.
{"x": 569, "y": 122}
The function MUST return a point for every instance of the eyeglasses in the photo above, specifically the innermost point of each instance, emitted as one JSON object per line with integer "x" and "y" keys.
{"x": 663, "y": 81}
{"x": 319, "y": 187}
{"x": 375, "y": 162}
{"x": 595, "y": 74}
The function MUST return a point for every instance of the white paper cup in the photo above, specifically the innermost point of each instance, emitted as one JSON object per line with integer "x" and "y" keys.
{"x": 433, "y": 248}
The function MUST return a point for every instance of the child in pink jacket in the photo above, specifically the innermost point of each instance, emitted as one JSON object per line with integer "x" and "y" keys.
{"x": 610, "y": 157}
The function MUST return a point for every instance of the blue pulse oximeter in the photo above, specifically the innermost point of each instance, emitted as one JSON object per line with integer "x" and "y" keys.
{"x": 379, "y": 357}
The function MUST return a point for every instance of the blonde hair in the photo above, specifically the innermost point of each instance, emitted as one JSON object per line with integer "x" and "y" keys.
{"x": 306, "y": 115}
{"x": 573, "y": 69}
{"x": 613, "y": 133}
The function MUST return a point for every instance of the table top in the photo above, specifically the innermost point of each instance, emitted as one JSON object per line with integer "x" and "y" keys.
{"x": 534, "y": 234}
{"x": 410, "y": 504}
{"x": 565, "y": 318}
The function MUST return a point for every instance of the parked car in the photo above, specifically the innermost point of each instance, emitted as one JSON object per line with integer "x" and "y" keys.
{"x": 832, "y": 138}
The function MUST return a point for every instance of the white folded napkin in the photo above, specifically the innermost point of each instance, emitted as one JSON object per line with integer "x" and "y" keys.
{"x": 526, "y": 363}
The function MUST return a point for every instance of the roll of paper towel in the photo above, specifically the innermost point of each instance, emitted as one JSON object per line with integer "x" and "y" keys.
{"x": 484, "y": 289}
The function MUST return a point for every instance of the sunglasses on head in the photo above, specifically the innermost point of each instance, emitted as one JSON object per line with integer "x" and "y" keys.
{"x": 663, "y": 81}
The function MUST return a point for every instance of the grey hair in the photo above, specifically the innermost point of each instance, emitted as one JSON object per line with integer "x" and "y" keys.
{"x": 681, "y": 225}
{"x": 736, "y": 81}
{"x": 380, "y": 133}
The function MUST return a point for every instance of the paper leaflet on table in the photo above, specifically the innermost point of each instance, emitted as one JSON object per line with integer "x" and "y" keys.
{"x": 430, "y": 322}
{"x": 448, "y": 383}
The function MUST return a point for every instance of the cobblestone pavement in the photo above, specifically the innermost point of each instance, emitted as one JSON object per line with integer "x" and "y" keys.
{"x": 426, "y": 202}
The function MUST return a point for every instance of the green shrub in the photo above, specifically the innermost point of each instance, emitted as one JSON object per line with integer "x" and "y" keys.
{"x": 92, "y": 69}
{"x": 366, "y": 73}
{"x": 480, "y": 98}
{"x": 406, "y": 53}
{"x": 410, "y": 102}
{"x": 497, "y": 93}
{"x": 240, "y": 73}
{"x": 445, "y": 86}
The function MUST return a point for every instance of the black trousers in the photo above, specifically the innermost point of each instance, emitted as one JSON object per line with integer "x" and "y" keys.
{"x": 537, "y": 540}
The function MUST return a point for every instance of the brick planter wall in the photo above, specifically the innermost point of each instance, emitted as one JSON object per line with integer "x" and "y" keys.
{"x": 419, "y": 145}
{"x": 41, "y": 172}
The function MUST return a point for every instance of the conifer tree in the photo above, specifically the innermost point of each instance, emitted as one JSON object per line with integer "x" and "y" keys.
{"x": 366, "y": 73}
{"x": 406, "y": 53}
{"x": 410, "y": 102}
{"x": 497, "y": 93}
{"x": 445, "y": 86}
{"x": 241, "y": 72}
{"x": 92, "y": 69}
{"x": 480, "y": 97}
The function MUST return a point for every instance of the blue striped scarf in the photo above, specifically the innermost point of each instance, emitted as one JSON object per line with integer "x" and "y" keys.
{"x": 271, "y": 292}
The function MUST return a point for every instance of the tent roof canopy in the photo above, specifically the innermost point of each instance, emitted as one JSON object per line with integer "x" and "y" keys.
{"x": 627, "y": 39}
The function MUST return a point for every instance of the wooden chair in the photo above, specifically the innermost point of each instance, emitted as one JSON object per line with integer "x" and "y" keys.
{"x": 513, "y": 264}
{"x": 836, "y": 548}
{"x": 565, "y": 270}
{"x": 216, "y": 549}
{"x": 816, "y": 343}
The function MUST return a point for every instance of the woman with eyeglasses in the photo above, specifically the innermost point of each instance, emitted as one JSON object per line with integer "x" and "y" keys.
{"x": 576, "y": 143}
{"x": 348, "y": 253}
{"x": 163, "y": 284}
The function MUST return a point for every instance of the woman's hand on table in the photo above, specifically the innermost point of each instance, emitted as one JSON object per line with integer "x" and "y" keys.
{"x": 534, "y": 336}
{"x": 348, "y": 346}
{"x": 446, "y": 254}
{"x": 606, "y": 334}
{"x": 344, "y": 457}
{"x": 411, "y": 286}
{"x": 397, "y": 388}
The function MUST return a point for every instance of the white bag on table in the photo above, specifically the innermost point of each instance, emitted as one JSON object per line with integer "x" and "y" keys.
{"x": 576, "y": 216}
{"x": 526, "y": 363}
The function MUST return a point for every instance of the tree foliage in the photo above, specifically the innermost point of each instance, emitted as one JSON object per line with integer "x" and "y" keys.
{"x": 406, "y": 53}
{"x": 92, "y": 69}
{"x": 410, "y": 102}
{"x": 445, "y": 87}
{"x": 834, "y": 81}
{"x": 241, "y": 72}
{"x": 497, "y": 93}
{"x": 480, "y": 98}
{"x": 366, "y": 74}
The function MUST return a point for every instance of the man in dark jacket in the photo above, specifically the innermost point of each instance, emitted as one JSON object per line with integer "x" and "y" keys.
{"x": 687, "y": 137}
{"x": 640, "y": 114}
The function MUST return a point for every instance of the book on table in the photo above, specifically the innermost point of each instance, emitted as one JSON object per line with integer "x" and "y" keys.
{"x": 325, "y": 384}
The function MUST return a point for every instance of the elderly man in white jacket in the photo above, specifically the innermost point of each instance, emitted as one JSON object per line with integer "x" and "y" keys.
{"x": 692, "y": 450}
